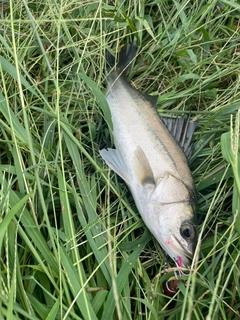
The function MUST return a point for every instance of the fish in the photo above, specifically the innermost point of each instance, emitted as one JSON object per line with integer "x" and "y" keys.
{"x": 151, "y": 156}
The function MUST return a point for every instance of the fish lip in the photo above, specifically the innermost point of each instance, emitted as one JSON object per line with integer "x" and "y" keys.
{"x": 181, "y": 272}
{"x": 184, "y": 255}
{"x": 179, "y": 261}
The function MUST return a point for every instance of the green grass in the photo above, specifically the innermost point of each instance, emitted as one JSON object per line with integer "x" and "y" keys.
{"x": 73, "y": 245}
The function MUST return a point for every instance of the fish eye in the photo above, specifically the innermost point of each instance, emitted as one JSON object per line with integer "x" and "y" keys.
{"x": 187, "y": 231}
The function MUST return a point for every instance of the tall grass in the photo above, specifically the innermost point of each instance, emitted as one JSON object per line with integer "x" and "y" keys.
{"x": 72, "y": 243}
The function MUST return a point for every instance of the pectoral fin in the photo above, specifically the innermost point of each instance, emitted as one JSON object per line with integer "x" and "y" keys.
{"x": 142, "y": 167}
{"x": 115, "y": 161}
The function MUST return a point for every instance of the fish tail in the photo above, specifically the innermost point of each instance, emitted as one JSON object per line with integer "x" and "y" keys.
{"x": 126, "y": 57}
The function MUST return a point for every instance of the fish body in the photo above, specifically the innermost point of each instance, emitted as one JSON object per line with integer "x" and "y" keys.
{"x": 150, "y": 161}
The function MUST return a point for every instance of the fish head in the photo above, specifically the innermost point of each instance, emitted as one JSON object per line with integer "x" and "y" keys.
{"x": 170, "y": 216}
{"x": 174, "y": 228}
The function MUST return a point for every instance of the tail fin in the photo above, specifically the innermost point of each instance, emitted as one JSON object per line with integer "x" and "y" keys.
{"x": 125, "y": 59}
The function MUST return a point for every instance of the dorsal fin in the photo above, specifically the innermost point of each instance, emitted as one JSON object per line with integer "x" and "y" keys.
{"x": 182, "y": 130}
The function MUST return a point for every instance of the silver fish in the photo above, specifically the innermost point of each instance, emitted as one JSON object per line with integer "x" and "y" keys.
{"x": 151, "y": 162}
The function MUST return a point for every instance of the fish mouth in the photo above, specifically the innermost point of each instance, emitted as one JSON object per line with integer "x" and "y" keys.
{"x": 184, "y": 257}
{"x": 183, "y": 269}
